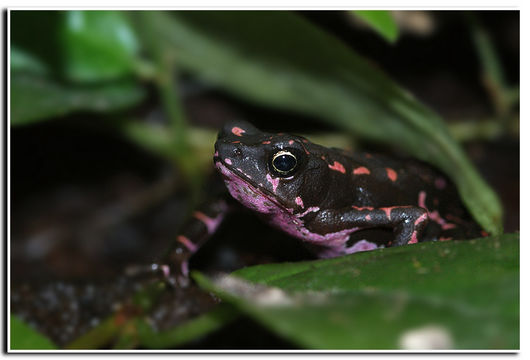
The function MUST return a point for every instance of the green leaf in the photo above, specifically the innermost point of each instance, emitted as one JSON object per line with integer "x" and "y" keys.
{"x": 36, "y": 98}
{"x": 20, "y": 60}
{"x": 459, "y": 295}
{"x": 23, "y": 337}
{"x": 98, "y": 45}
{"x": 381, "y": 21}
{"x": 188, "y": 331}
{"x": 282, "y": 60}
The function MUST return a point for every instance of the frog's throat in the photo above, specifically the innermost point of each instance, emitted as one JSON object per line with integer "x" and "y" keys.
{"x": 233, "y": 176}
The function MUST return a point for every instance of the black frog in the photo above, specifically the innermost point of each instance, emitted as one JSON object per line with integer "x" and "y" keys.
{"x": 326, "y": 197}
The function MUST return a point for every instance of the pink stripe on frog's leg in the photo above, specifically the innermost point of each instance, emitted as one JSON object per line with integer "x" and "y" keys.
{"x": 210, "y": 223}
{"x": 419, "y": 220}
{"x": 184, "y": 268}
{"x": 298, "y": 200}
{"x": 187, "y": 243}
{"x": 388, "y": 211}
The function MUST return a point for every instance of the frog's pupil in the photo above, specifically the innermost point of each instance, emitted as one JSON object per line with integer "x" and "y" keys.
{"x": 284, "y": 163}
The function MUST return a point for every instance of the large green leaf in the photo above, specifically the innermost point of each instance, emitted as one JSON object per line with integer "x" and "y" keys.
{"x": 278, "y": 58}
{"x": 98, "y": 45}
{"x": 460, "y": 295}
{"x": 381, "y": 21}
{"x": 23, "y": 337}
{"x": 35, "y": 98}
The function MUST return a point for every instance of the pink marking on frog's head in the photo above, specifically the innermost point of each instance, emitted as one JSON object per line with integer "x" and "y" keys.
{"x": 361, "y": 170}
{"x": 216, "y": 153}
{"x": 299, "y": 202}
{"x": 291, "y": 142}
{"x": 249, "y": 195}
{"x": 228, "y": 161}
{"x": 237, "y": 131}
{"x": 391, "y": 173}
{"x": 274, "y": 182}
{"x": 440, "y": 183}
{"x": 337, "y": 166}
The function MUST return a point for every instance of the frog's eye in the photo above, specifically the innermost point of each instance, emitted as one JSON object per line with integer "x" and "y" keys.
{"x": 284, "y": 163}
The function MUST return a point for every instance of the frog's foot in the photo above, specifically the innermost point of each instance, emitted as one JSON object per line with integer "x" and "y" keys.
{"x": 411, "y": 223}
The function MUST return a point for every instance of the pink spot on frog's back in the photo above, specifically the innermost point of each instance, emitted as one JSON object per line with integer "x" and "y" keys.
{"x": 291, "y": 142}
{"x": 368, "y": 217}
{"x": 298, "y": 201}
{"x": 362, "y": 208}
{"x": 361, "y": 170}
{"x": 391, "y": 173}
{"x": 237, "y": 131}
{"x": 266, "y": 142}
{"x": 337, "y": 166}
{"x": 388, "y": 211}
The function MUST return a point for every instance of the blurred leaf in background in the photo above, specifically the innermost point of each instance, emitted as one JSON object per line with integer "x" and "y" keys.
{"x": 35, "y": 98}
{"x": 322, "y": 77}
{"x": 98, "y": 45}
{"x": 381, "y": 21}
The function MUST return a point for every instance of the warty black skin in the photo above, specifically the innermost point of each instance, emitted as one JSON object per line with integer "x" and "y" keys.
{"x": 334, "y": 201}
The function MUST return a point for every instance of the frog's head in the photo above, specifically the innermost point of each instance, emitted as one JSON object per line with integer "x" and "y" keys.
{"x": 269, "y": 172}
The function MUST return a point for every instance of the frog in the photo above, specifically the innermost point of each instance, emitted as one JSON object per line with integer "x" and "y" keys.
{"x": 336, "y": 202}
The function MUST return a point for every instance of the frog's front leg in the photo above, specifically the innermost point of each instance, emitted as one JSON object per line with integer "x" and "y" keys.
{"x": 407, "y": 222}
{"x": 195, "y": 232}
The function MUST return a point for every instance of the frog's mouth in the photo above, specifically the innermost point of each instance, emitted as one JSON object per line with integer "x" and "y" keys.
{"x": 253, "y": 197}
